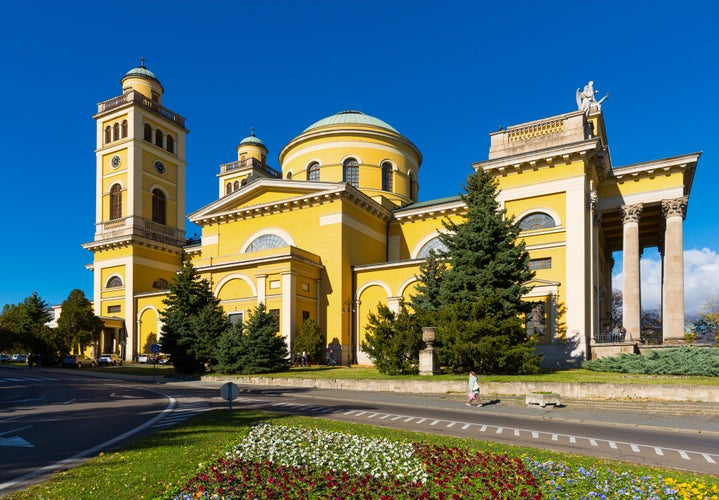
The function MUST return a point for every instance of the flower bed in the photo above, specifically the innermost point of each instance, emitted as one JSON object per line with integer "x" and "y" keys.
{"x": 280, "y": 462}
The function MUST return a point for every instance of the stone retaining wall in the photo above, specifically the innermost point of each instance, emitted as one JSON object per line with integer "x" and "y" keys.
{"x": 577, "y": 391}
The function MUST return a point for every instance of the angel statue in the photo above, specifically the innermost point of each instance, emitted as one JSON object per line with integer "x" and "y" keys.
{"x": 586, "y": 99}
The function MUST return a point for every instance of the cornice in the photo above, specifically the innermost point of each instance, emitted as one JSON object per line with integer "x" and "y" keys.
{"x": 547, "y": 157}
{"x": 344, "y": 191}
{"x": 649, "y": 169}
{"x": 126, "y": 241}
{"x": 430, "y": 212}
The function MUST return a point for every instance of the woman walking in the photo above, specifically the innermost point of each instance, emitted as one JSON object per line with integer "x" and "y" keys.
{"x": 473, "y": 394}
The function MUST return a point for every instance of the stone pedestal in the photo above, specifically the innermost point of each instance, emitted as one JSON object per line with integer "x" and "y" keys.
{"x": 542, "y": 399}
{"x": 428, "y": 362}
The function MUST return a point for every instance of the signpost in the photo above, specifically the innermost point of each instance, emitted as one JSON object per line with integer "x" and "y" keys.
{"x": 229, "y": 391}
{"x": 155, "y": 348}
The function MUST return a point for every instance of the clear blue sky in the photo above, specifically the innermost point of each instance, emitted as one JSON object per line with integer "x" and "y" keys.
{"x": 445, "y": 74}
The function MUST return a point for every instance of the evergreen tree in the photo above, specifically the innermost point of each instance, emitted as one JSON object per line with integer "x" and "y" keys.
{"x": 480, "y": 325}
{"x": 256, "y": 348}
{"x": 393, "y": 341}
{"x": 193, "y": 322}
{"x": 230, "y": 349}
{"x": 310, "y": 340}
{"x": 78, "y": 326}
{"x": 426, "y": 301}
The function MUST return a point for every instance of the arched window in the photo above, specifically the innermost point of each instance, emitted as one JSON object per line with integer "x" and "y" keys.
{"x": 148, "y": 132}
{"x": 114, "y": 282}
{"x": 386, "y": 176}
{"x": 313, "y": 172}
{"x": 350, "y": 172}
{"x": 236, "y": 184}
{"x": 116, "y": 132}
{"x": 108, "y": 134}
{"x": 228, "y": 188}
{"x": 435, "y": 244}
{"x": 115, "y": 202}
{"x": 412, "y": 187}
{"x": 536, "y": 220}
{"x": 158, "y": 137}
{"x": 170, "y": 143}
{"x": 123, "y": 131}
{"x": 160, "y": 284}
{"x": 266, "y": 241}
{"x": 289, "y": 175}
{"x": 159, "y": 205}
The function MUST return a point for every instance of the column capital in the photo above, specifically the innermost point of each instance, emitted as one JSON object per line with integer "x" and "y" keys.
{"x": 632, "y": 213}
{"x": 675, "y": 208}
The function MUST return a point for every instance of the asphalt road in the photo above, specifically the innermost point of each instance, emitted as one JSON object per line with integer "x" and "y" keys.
{"x": 51, "y": 419}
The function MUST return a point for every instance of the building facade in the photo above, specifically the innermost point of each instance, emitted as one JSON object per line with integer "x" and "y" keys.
{"x": 337, "y": 227}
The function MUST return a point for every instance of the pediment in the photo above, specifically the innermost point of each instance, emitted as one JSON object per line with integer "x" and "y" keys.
{"x": 264, "y": 193}
{"x": 536, "y": 282}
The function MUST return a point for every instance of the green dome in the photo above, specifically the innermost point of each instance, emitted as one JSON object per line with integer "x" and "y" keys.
{"x": 351, "y": 117}
{"x": 251, "y": 139}
{"x": 142, "y": 72}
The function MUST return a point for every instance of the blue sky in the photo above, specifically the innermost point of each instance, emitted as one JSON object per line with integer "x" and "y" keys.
{"x": 445, "y": 74}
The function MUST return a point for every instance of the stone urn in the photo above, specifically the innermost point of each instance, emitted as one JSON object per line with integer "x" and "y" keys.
{"x": 429, "y": 334}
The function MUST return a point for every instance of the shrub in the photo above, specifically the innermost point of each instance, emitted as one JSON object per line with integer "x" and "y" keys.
{"x": 699, "y": 361}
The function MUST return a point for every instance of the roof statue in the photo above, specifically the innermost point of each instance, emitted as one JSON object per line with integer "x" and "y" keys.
{"x": 586, "y": 98}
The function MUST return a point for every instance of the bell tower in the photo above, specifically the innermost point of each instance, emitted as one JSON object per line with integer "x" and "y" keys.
{"x": 139, "y": 210}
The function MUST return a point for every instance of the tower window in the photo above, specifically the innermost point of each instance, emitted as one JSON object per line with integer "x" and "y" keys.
{"x": 158, "y": 137}
{"x": 116, "y": 132}
{"x": 236, "y": 185}
{"x": 535, "y": 221}
{"x": 170, "y": 144}
{"x": 386, "y": 176}
{"x": 350, "y": 172}
{"x": 159, "y": 206}
{"x": 228, "y": 188}
{"x": 148, "y": 132}
{"x": 108, "y": 134}
{"x": 114, "y": 282}
{"x": 115, "y": 202}
{"x": 123, "y": 132}
{"x": 413, "y": 188}
{"x": 313, "y": 172}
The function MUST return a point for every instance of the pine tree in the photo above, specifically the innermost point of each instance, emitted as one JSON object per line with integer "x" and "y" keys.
{"x": 480, "y": 296}
{"x": 193, "y": 322}
{"x": 255, "y": 348}
{"x": 425, "y": 302}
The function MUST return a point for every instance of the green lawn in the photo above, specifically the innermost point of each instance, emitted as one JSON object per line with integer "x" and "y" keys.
{"x": 157, "y": 466}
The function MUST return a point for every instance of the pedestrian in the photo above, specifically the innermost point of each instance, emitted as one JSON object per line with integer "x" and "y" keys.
{"x": 473, "y": 394}
{"x": 30, "y": 360}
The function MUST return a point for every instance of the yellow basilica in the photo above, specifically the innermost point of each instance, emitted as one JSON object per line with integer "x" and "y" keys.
{"x": 337, "y": 227}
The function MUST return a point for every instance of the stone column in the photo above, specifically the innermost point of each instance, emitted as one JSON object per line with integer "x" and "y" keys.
{"x": 673, "y": 283}
{"x": 631, "y": 295}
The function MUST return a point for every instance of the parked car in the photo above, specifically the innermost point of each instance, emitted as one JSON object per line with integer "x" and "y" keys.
{"x": 5, "y": 358}
{"x": 145, "y": 358}
{"x": 77, "y": 361}
{"x": 109, "y": 360}
{"x": 19, "y": 358}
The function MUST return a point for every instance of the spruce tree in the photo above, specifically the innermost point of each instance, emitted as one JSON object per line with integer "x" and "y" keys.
{"x": 255, "y": 348}
{"x": 429, "y": 282}
{"x": 193, "y": 322}
{"x": 480, "y": 325}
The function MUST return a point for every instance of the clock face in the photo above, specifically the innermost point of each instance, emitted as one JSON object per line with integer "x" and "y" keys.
{"x": 115, "y": 162}
{"x": 159, "y": 167}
